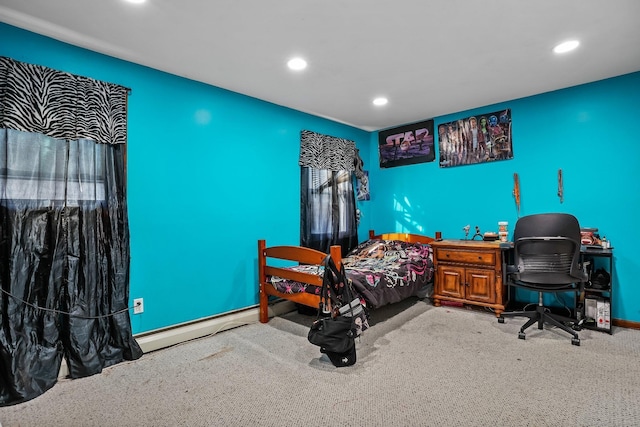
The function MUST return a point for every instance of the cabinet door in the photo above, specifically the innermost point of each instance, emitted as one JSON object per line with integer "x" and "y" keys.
{"x": 480, "y": 285}
{"x": 450, "y": 282}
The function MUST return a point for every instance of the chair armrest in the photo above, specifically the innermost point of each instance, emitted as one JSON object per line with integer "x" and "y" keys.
{"x": 512, "y": 269}
{"x": 582, "y": 276}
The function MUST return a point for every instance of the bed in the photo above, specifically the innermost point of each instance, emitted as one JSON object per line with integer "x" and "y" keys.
{"x": 384, "y": 269}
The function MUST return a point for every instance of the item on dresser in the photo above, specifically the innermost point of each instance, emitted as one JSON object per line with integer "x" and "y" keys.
{"x": 490, "y": 236}
{"x": 477, "y": 234}
{"x": 503, "y": 232}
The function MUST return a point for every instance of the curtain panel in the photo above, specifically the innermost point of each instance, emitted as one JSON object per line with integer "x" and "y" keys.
{"x": 64, "y": 231}
{"x": 38, "y": 99}
{"x": 327, "y": 202}
{"x": 327, "y": 210}
{"x": 64, "y": 262}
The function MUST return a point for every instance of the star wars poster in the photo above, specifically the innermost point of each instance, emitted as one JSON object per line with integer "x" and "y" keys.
{"x": 407, "y": 145}
{"x": 476, "y": 139}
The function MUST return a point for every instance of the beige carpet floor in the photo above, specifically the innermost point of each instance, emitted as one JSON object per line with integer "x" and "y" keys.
{"x": 417, "y": 366}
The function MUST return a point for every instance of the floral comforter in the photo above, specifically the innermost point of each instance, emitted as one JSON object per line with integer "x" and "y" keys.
{"x": 382, "y": 271}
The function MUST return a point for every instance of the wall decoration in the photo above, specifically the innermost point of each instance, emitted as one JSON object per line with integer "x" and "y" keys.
{"x": 407, "y": 145}
{"x": 516, "y": 191}
{"x": 560, "y": 186}
{"x": 476, "y": 139}
{"x": 363, "y": 187}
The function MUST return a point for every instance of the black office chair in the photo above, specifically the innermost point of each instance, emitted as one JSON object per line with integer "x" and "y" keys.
{"x": 546, "y": 259}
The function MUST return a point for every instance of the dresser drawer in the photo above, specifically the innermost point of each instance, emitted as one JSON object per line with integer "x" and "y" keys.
{"x": 466, "y": 257}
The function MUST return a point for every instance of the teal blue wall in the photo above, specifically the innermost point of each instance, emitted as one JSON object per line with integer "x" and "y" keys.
{"x": 590, "y": 132}
{"x": 211, "y": 172}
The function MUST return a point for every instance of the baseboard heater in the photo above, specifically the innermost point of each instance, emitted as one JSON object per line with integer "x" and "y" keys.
{"x": 166, "y": 337}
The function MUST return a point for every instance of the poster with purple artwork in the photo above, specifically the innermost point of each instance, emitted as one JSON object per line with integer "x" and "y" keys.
{"x": 476, "y": 139}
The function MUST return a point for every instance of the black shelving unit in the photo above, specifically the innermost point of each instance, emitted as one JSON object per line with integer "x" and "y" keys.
{"x": 593, "y": 258}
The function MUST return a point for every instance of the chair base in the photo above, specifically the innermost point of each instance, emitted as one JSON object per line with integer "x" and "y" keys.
{"x": 540, "y": 316}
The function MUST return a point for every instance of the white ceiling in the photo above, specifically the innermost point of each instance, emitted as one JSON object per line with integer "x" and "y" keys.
{"x": 429, "y": 57}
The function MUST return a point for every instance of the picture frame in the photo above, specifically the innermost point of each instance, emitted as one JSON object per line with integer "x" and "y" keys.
{"x": 407, "y": 144}
{"x": 476, "y": 139}
{"x": 362, "y": 187}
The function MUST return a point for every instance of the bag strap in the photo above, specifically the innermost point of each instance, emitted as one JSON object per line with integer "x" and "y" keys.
{"x": 331, "y": 288}
{"x": 325, "y": 295}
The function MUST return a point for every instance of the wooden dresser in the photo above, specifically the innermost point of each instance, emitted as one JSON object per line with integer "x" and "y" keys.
{"x": 469, "y": 272}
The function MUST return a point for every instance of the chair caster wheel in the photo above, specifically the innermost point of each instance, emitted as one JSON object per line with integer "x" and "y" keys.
{"x": 500, "y": 319}
{"x": 575, "y": 341}
{"x": 522, "y": 335}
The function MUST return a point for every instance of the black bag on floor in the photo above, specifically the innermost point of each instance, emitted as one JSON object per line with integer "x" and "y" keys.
{"x": 333, "y": 334}
{"x": 332, "y": 331}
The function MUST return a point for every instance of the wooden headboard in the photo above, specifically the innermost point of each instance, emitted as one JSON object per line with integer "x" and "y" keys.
{"x": 405, "y": 237}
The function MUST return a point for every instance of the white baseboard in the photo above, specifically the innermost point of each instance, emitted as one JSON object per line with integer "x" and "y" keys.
{"x": 162, "y": 338}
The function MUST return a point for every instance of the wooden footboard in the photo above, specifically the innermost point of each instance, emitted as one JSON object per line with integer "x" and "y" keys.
{"x": 292, "y": 253}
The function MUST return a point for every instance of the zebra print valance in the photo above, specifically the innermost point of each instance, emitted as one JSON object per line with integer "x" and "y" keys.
{"x": 319, "y": 151}
{"x": 61, "y": 105}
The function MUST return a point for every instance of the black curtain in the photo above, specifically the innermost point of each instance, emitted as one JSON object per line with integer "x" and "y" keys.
{"x": 328, "y": 210}
{"x": 327, "y": 197}
{"x": 64, "y": 233}
{"x": 64, "y": 261}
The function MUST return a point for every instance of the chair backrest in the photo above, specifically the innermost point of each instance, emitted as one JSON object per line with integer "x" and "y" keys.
{"x": 547, "y": 250}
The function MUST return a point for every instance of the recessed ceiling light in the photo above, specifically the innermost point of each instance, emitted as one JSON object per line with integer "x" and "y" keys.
{"x": 566, "y": 46}
{"x": 380, "y": 101}
{"x": 136, "y": 1}
{"x": 297, "y": 64}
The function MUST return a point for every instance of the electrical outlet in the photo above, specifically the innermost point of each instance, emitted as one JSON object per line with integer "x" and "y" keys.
{"x": 138, "y": 306}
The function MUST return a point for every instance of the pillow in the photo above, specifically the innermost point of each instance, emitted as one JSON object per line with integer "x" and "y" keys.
{"x": 376, "y": 248}
{"x": 367, "y": 249}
